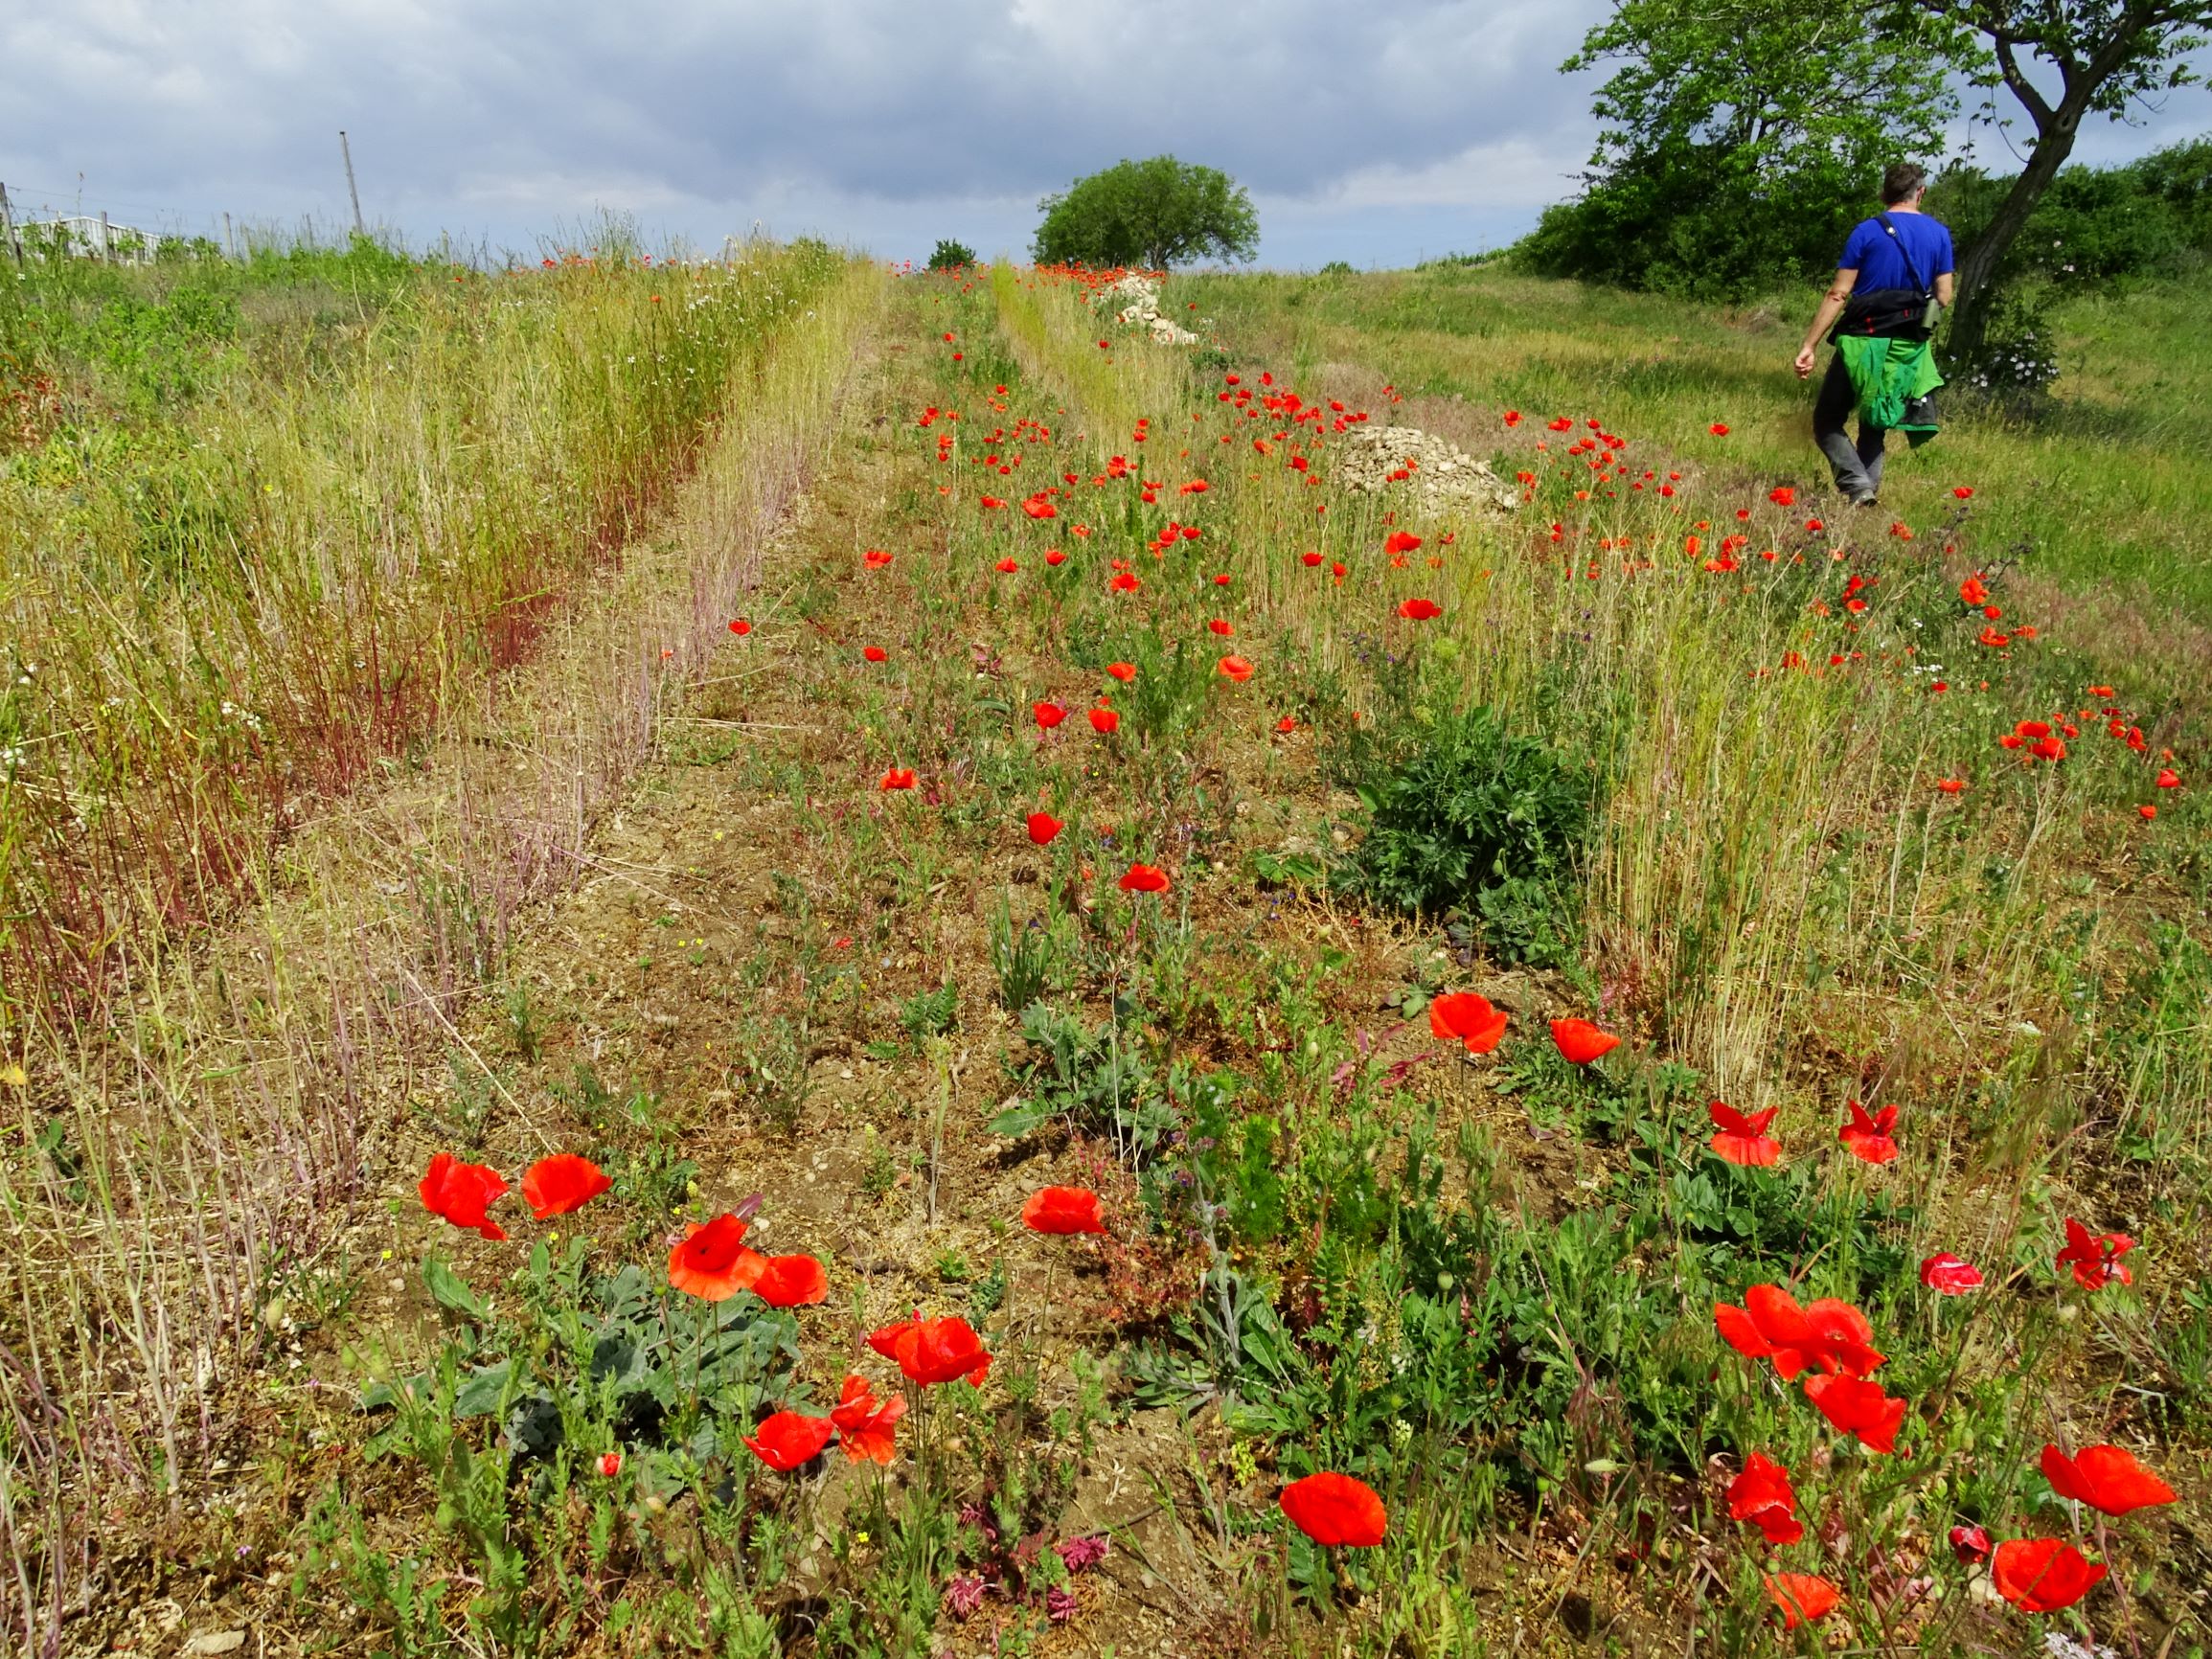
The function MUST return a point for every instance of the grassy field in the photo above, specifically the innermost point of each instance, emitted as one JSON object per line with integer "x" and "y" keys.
{"x": 2098, "y": 495}
{"x": 1743, "y": 779}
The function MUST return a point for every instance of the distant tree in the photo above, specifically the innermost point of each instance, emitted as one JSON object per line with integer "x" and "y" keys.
{"x": 1740, "y": 140}
{"x": 1155, "y": 213}
{"x": 951, "y": 256}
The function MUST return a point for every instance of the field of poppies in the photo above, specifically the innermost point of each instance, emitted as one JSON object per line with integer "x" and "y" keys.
{"x": 1168, "y": 1055}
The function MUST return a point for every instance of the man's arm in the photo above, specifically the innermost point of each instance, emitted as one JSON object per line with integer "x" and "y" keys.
{"x": 1824, "y": 319}
{"x": 1944, "y": 288}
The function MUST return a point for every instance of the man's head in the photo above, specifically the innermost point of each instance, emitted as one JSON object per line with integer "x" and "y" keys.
{"x": 1902, "y": 182}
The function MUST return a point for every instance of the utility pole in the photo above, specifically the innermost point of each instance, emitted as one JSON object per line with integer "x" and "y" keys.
{"x": 106, "y": 241}
{"x": 230, "y": 244}
{"x": 347, "y": 150}
{"x": 8, "y": 227}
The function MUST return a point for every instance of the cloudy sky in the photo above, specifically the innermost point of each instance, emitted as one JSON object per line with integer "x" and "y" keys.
{"x": 1376, "y": 131}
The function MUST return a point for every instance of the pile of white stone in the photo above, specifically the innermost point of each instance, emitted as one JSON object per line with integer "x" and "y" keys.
{"x": 1140, "y": 308}
{"x": 1370, "y": 458}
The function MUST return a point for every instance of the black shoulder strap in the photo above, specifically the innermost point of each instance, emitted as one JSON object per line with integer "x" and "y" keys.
{"x": 1904, "y": 253}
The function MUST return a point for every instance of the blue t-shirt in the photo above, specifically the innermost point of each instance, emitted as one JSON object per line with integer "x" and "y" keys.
{"x": 1872, "y": 254}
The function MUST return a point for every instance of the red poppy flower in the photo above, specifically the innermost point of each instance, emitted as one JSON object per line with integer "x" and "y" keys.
{"x": 1580, "y": 1043}
{"x": 1513, "y": 417}
{"x": 1042, "y": 827}
{"x": 610, "y": 1464}
{"x": 2146, "y": 811}
{"x": 1104, "y": 721}
{"x": 1055, "y": 558}
{"x": 1950, "y": 786}
{"x": 2095, "y": 1258}
{"x": 1970, "y": 1544}
{"x": 1761, "y": 1495}
{"x": 461, "y": 1192}
{"x": 1219, "y": 626}
{"x": 1400, "y": 541}
{"x": 787, "y": 1439}
{"x": 991, "y": 503}
{"x": 791, "y": 1282}
{"x": 1719, "y": 429}
{"x": 1826, "y": 1334}
{"x": 1463, "y": 1016}
{"x": 875, "y": 558}
{"x": 1037, "y": 507}
{"x": 1964, "y": 492}
{"x": 2106, "y": 1477}
{"x": 1048, "y": 714}
{"x": 1333, "y": 1509}
{"x": 2044, "y": 1575}
{"x": 1743, "y": 1138}
{"x": 1144, "y": 879}
{"x": 1007, "y": 566}
{"x": 874, "y": 653}
{"x": 934, "y": 1351}
{"x": 713, "y": 1263}
{"x": 1868, "y": 1139}
{"x": 1419, "y": 609}
{"x": 740, "y": 628}
{"x": 865, "y": 1425}
{"x": 1783, "y": 496}
{"x": 1310, "y": 560}
{"x": 1285, "y": 724}
{"x": 897, "y": 778}
{"x": 1561, "y": 424}
{"x": 2169, "y": 778}
{"x": 1063, "y": 1209}
{"x": 1857, "y": 1407}
{"x": 1234, "y": 668}
{"x": 1804, "y": 1597}
{"x": 564, "y": 1182}
{"x": 1950, "y": 1273}
{"x": 1122, "y": 671}
{"x": 1125, "y": 582}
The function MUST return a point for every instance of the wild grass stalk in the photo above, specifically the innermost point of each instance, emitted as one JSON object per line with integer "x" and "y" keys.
{"x": 188, "y": 1155}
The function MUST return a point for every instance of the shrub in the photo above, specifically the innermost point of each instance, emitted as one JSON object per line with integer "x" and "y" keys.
{"x": 951, "y": 256}
{"x": 1472, "y": 819}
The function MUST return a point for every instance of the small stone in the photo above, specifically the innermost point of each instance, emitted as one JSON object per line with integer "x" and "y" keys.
{"x": 215, "y": 1642}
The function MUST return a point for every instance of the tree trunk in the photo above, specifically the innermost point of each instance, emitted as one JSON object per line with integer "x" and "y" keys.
{"x": 1978, "y": 264}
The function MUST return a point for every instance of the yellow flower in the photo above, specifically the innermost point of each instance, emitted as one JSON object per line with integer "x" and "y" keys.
{"x": 17, "y": 1076}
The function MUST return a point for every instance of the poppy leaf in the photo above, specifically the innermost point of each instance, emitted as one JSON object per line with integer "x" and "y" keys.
{"x": 449, "y": 1291}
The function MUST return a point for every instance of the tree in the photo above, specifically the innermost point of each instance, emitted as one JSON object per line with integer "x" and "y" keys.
{"x": 951, "y": 256}
{"x": 1156, "y": 214}
{"x": 1740, "y": 141}
{"x": 2104, "y": 54}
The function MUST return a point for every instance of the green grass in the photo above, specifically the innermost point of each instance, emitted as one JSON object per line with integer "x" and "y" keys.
{"x": 2103, "y": 493}
{"x": 1485, "y": 1285}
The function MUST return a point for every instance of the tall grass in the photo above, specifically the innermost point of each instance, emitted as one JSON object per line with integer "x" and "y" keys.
{"x": 183, "y": 1169}
{"x": 245, "y": 563}
{"x": 1777, "y": 875}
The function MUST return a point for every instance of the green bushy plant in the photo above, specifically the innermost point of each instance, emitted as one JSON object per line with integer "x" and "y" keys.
{"x": 1469, "y": 817}
{"x": 951, "y": 256}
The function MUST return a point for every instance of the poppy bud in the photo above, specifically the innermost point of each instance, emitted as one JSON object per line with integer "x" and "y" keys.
{"x": 610, "y": 1464}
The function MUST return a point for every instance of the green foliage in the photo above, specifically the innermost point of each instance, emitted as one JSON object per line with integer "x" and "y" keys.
{"x": 1155, "y": 213}
{"x": 1466, "y": 817}
{"x": 951, "y": 256}
{"x": 1740, "y": 142}
{"x": 1031, "y": 958}
{"x": 1097, "y": 1078}
{"x": 2095, "y": 226}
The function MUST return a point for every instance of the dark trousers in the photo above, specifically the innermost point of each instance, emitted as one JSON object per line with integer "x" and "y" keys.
{"x": 1858, "y": 466}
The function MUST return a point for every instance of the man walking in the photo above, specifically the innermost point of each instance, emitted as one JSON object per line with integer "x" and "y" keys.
{"x": 1892, "y": 265}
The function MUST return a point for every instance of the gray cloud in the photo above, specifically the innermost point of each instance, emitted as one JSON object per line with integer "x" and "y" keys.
{"x": 1371, "y": 131}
